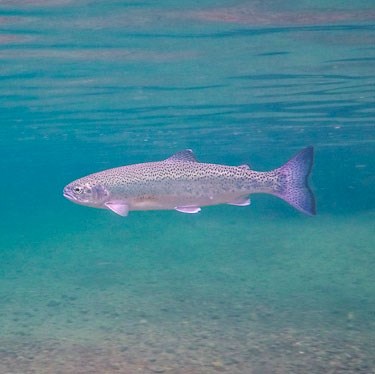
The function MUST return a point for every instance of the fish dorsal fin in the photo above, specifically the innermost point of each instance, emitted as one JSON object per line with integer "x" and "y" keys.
{"x": 244, "y": 166}
{"x": 184, "y": 156}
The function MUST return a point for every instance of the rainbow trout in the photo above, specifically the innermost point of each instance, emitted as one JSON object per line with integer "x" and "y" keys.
{"x": 182, "y": 183}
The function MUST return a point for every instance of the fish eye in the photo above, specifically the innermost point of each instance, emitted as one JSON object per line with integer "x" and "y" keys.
{"x": 77, "y": 189}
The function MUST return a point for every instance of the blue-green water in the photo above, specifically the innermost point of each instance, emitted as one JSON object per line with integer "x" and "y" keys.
{"x": 90, "y": 85}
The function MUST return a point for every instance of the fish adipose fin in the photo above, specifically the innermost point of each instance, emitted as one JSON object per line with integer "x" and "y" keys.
{"x": 292, "y": 183}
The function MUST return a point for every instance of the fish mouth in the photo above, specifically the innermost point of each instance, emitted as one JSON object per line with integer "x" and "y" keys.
{"x": 68, "y": 194}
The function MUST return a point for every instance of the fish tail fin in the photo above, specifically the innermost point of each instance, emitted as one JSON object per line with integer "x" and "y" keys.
{"x": 292, "y": 185}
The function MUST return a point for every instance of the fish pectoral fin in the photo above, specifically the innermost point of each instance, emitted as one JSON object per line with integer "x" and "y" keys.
{"x": 240, "y": 201}
{"x": 188, "y": 209}
{"x": 120, "y": 208}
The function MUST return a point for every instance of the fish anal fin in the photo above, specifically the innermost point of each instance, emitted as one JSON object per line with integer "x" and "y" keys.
{"x": 184, "y": 156}
{"x": 240, "y": 201}
{"x": 118, "y": 207}
{"x": 188, "y": 209}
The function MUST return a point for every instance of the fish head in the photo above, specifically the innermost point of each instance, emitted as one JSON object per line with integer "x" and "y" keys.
{"x": 86, "y": 192}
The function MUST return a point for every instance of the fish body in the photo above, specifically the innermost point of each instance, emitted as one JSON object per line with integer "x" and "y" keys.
{"x": 182, "y": 183}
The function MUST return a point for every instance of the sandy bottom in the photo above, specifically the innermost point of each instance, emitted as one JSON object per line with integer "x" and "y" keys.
{"x": 193, "y": 350}
{"x": 206, "y": 295}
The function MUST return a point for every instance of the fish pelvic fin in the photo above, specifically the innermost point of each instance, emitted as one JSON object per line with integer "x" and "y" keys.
{"x": 292, "y": 185}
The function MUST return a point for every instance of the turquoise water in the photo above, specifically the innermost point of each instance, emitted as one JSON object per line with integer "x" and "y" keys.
{"x": 89, "y": 85}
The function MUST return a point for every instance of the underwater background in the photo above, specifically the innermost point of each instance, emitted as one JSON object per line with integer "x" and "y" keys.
{"x": 88, "y": 85}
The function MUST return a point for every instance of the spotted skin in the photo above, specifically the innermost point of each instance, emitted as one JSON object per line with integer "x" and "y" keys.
{"x": 182, "y": 183}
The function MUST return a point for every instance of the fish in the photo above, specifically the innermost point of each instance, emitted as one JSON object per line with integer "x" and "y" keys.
{"x": 184, "y": 184}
